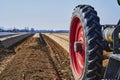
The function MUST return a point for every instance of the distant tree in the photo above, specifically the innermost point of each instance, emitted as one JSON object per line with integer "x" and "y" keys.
{"x": 32, "y": 30}
{"x": 14, "y": 29}
{"x": 1, "y": 29}
{"x": 26, "y": 29}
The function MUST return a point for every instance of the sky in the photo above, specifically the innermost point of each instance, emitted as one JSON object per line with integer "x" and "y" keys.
{"x": 52, "y": 14}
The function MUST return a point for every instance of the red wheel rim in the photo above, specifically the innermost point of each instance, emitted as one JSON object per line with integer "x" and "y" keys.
{"x": 77, "y": 58}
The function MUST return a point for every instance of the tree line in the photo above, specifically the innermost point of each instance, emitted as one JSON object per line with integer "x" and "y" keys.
{"x": 26, "y": 29}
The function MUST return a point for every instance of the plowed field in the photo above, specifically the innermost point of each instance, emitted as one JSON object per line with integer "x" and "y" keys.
{"x": 36, "y": 59}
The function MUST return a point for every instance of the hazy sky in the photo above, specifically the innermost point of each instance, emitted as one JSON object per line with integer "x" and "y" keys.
{"x": 52, "y": 14}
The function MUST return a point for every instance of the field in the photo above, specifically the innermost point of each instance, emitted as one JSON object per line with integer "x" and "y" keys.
{"x": 38, "y": 57}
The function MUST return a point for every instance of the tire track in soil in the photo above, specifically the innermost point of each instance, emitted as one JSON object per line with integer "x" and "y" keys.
{"x": 33, "y": 61}
{"x": 60, "y": 58}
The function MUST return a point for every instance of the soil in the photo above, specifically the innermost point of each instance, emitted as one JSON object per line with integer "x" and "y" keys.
{"x": 61, "y": 39}
{"x": 60, "y": 58}
{"x": 34, "y": 59}
{"x": 6, "y": 56}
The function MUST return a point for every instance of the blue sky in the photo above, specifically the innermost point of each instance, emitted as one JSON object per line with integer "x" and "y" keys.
{"x": 52, "y": 14}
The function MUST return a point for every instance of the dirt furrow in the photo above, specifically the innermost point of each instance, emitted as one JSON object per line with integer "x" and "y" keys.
{"x": 38, "y": 60}
{"x": 30, "y": 63}
{"x": 60, "y": 58}
{"x": 59, "y": 40}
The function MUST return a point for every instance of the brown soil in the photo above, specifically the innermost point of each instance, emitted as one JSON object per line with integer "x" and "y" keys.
{"x": 36, "y": 61}
{"x": 61, "y": 39}
{"x": 5, "y": 57}
{"x": 60, "y": 58}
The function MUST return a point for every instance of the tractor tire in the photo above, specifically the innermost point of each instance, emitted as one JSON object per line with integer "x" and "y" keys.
{"x": 85, "y": 44}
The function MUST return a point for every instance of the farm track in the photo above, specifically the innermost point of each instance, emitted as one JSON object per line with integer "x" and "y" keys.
{"x": 60, "y": 58}
{"x": 36, "y": 59}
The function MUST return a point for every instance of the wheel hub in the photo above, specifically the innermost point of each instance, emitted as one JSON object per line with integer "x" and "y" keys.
{"x": 78, "y": 46}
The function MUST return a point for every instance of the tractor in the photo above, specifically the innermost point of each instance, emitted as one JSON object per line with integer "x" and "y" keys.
{"x": 88, "y": 40}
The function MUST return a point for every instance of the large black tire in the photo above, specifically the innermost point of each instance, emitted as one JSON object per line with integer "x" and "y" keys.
{"x": 93, "y": 38}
